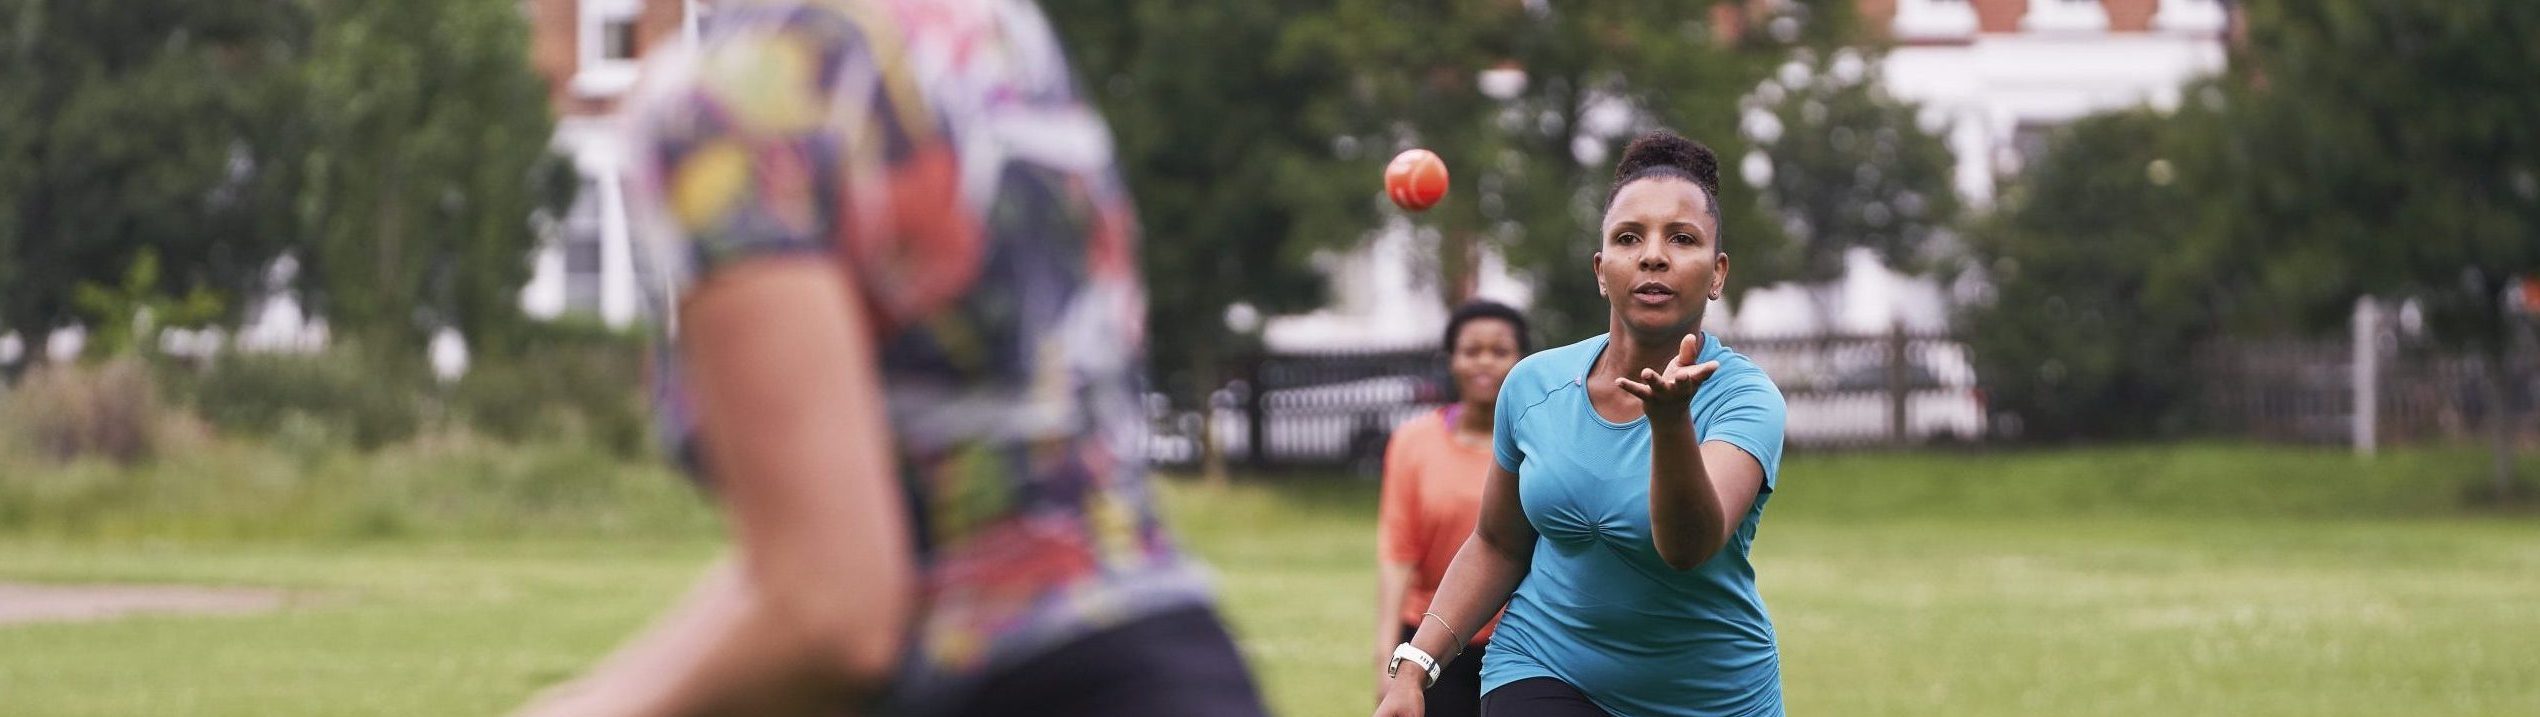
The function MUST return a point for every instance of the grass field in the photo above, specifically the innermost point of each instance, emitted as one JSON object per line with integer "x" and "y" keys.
{"x": 2204, "y": 580}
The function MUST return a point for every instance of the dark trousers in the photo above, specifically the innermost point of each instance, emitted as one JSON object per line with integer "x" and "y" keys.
{"x": 1539, "y": 697}
{"x": 1458, "y": 692}
{"x": 1177, "y": 664}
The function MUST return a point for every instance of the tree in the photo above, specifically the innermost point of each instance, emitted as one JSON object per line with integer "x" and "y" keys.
{"x": 155, "y": 126}
{"x": 1531, "y": 165}
{"x": 2097, "y": 282}
{"x": 2386, "y": 149}
{"x": 1850, "y": 168}
{"x": 429, "y": 132}
{"x": 127, "y": 314}
{"x": 1234, "y": 188}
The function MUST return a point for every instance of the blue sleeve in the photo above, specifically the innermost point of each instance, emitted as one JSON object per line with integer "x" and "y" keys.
{"x": 1504, "y": 415}
{"x": 1750, "y": 417}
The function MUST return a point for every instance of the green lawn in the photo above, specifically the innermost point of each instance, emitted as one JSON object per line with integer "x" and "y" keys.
{"x": 2156, "y": 580}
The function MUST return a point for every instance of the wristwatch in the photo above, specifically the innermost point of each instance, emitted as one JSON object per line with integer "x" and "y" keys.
{"x": 1405, "y": 651}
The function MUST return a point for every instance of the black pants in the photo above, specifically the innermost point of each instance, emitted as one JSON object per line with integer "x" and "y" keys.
{"x": 1539, "y": 697}
{"x": 1177, "y": 664}
{"x": 1458, "y": 692}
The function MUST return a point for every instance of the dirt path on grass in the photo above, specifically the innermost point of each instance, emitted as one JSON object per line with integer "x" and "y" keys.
{"x": 22, "y": 603}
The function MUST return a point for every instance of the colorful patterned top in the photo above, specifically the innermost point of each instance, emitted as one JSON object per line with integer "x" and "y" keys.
{"x": 938, "y": 152}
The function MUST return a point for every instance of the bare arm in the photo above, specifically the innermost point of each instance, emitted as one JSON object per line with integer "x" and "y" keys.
{"x": 818, "y": 600}
{"x": 1397, "y": 545}
{"x": 1393, "y": 580}
{"x": 718, "y": 638}
{"x": 1697, "y": 494}
{"x": 1477, "y": 584}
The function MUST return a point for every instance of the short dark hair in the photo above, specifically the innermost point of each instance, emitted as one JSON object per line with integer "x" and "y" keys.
{"x": 1661, "y": 153}
{"x": 1486, "y": 309}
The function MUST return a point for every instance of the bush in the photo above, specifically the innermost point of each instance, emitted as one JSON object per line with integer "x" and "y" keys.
{"x": 570, "y": 382}
{"x": 68, "y": 412}
{"x": 341, "y": 394}
{"x": 2099, "y": 287}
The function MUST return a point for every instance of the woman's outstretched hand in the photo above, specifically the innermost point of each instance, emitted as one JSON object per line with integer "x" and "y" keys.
{"x": 1668, "y": 394}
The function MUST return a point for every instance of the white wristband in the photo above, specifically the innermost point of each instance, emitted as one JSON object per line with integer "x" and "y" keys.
{"x": 1427, "y": 664}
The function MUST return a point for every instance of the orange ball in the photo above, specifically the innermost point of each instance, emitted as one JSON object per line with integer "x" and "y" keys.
{"x": 1416, "y": 179}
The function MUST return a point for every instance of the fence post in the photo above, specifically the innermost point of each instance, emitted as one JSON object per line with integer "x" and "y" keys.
{"x": 1256, "y": 455}
{"x": 2367, "y": 375}
{"x": 1899, "y": 386}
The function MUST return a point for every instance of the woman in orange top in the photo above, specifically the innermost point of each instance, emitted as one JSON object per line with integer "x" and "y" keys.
{"x": 1434, "y": 467}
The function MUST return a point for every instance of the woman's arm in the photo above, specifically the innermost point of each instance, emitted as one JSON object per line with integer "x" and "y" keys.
{"x": 719, "y": 638}
{"x": 1393, "y": 581}
{"x": 1477, "y": 584}
{"x": 1397, "y": 542}
{"x": 817, "y": 603}
{"x": 1697, "y": 493}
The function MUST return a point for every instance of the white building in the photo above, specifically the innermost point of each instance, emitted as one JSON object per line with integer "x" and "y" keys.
{"x": 2000, "y": 72}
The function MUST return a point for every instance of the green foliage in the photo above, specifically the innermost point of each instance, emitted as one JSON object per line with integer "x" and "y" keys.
{"x": 315, "y": 401}
{"x": 1529, "y": 172}
{"x": 1254, "y": 134}
{"x": 1851, "y": 168}
{"x": 124, "y": 317}
{"x": 2386, "y": 148}
{"x": 1234, "y": 187}
{"x": 572, "y": 383}
{"x": 399, "y": 149}
{"x": 110, "y": 411}
{"x": 431, "y": 133}
{"x": 145, "y": 124}
{"x": 2093, "y": 311}
{"x": 2356, "y": 148}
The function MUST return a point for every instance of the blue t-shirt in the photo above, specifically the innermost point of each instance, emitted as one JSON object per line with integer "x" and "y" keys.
{"x": 1598, "y": 608}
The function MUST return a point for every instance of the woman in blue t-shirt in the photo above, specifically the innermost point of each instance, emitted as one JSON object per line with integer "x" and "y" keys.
{"x": 1629, "y": 471}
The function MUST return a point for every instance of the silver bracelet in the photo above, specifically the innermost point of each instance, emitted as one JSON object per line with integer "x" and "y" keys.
{"x": 1450, "y": 630}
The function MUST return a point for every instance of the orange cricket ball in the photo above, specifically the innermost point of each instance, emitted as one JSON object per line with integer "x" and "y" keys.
{"x": 1416, "y": 179}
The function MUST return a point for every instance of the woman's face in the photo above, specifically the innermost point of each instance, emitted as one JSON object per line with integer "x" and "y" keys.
{"x": 1484, "y": 350}
{"x": 1659, "y": 261}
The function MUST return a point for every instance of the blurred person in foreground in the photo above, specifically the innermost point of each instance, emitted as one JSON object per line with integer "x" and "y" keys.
{"x": 1434, "y": 468}
{"x": 1629, "y": 472}
{"x": 900, "y": 276}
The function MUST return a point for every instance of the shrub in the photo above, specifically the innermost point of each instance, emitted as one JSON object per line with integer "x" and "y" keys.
{"x": 569, "y": 382}
{"x": 111, "y": 410}
{"x": 342, "y": 392}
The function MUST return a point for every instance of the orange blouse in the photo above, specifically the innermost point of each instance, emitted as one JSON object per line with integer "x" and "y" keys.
{"x": 1432, "y": 497}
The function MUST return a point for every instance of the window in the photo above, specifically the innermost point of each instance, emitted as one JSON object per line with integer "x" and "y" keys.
{"x": 610, "y": 43}
{"x": 617, "y": 39}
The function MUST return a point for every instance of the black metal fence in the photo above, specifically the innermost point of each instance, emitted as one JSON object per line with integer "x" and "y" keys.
{"x": 1900, "y": 389}
{"x": 1336, "y": 410}
{"x": 2308, "y": 391}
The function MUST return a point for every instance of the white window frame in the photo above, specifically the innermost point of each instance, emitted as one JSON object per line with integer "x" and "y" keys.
{"x": 2065, "y": 16}
{"x": 600, "y": 75}
{"x": 2191, "y": 16}
{"x": 1934, "y": 20}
